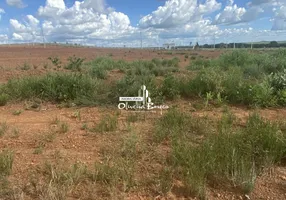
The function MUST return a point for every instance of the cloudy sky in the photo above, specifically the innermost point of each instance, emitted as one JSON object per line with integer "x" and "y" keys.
{"x": 120, "y": 22}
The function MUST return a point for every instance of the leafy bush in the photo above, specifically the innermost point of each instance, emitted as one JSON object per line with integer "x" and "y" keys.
{"x": 199, "y": 64}
{"x": 238, "y": 58}
{"x": 170, "y": 87}
{"x": 253, "y": 71}
{"x": 155, "y": 67}
{"x": 98, "y": 72}
{"x": 208, "y": 80}
{"x": 56, "y": 87}
{"x": 26, "y": 66}
{"x": 282, "y": 97}
{"x": 262, "y": 95}
{"x": 3, "y": 99}
{"x": 99, "y": 67}
{"x": 239, "y": 77}
{"x": 75, "y": 63}
{"x": 56, "y": 61}
{"x": 278, "y": 80}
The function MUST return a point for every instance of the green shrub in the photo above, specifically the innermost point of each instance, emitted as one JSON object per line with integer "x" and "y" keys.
{"x": 55, "y": 61}
{"x": 278, "y": 80}
{"x": 282, "y": 97}
{"x": 262, "y": 95}
{"x": 55, "y": 87}
{"x": 170, "y": 87}
{"x": 171, "y": 63}
{"x": 26, "y": 66}
{"x": 156, "y": 61}
{"x": 98, "y": 72}
{"x": 6, "y": 162}
{"x": 238, "y": 77}
{"x": 75, "y": 63}
{"x": 238, "y": 58}
{"x": 199, "y": 64}
{"x": 155, "y": 67}
{"x": 100, "y": 66}
{"x": 3, "y": 99}
{"x": 253, "y": 71}
{"x": 208, "y": 80}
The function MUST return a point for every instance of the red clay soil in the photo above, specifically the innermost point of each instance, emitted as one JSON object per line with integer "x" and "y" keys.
{"x": 75, "y": 145}
{"x": 27, "y": 129}
{"x": 14, "y": 57}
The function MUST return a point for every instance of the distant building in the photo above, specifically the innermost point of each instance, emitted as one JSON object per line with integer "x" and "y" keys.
{"x": 169, "y": 45}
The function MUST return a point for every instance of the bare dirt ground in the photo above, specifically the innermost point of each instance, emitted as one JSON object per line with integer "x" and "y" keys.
{"x": 14, "y": 57}
{"x": 31, "y": 127}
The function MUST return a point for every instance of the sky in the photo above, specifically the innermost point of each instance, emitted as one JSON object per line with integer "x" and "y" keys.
{"x": 118, "y": 23}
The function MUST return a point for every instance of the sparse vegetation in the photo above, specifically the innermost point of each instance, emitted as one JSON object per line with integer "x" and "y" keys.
{"x": 3, "y": 99}
{"x": 6, "y": 162}
{"x": 107, "y": 124}
{"x": 45, "y": 138}
{"x": 64, "y": 127}
{"x": 39, "y": 149}
{"x": 17, "y": 112}
{"x": 3, "y": 128}
{"x": 237, "y": 155}
{"x": 26, "y": 66}
{"x": 58, "y": 87}
{"x": 15, "y": 133}
{"x": 55, "y": 61}
{"x": 202, "y": 144}
{"x": 75, "y": 63}
{"x": 241, "y": 77}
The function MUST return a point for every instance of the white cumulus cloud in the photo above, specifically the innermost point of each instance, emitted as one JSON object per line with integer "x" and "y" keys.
{"x": 16, "y": 3}
{"x": 181, "y": 21}
{"x": 279, "y": 21}
{"x": 233, "y": 14}
{"x": 85, "y": 19}
{"x": 3, "y": 38}
{"x": 178, "y": 12}
{"x": 17, "y": 37}
{"x": 26, "y": 31}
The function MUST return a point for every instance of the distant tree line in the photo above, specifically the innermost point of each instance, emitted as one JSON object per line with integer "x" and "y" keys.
{"x": 272, "y": 44}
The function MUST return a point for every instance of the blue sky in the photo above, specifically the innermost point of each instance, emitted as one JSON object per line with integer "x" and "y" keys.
{"x": 114, "y": 22}
{"x": 134, "y": 9}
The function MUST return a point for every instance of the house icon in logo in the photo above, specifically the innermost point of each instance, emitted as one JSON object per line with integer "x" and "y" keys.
{"x": 142, "y": 101}
{"x": 144, "y": 93}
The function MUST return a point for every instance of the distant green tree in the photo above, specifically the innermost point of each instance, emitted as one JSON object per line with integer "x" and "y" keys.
{"x": 273, "y": 44}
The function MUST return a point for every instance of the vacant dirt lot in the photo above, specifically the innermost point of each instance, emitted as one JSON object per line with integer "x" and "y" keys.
{"x": 52, "y": 134}
{"x": 14, "y": 57}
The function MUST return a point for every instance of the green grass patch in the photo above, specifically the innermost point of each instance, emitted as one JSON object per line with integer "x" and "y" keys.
{"x": 6, "y": 162}
{"x": 54, "y": 87}
{"x": 231, "y": 154}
